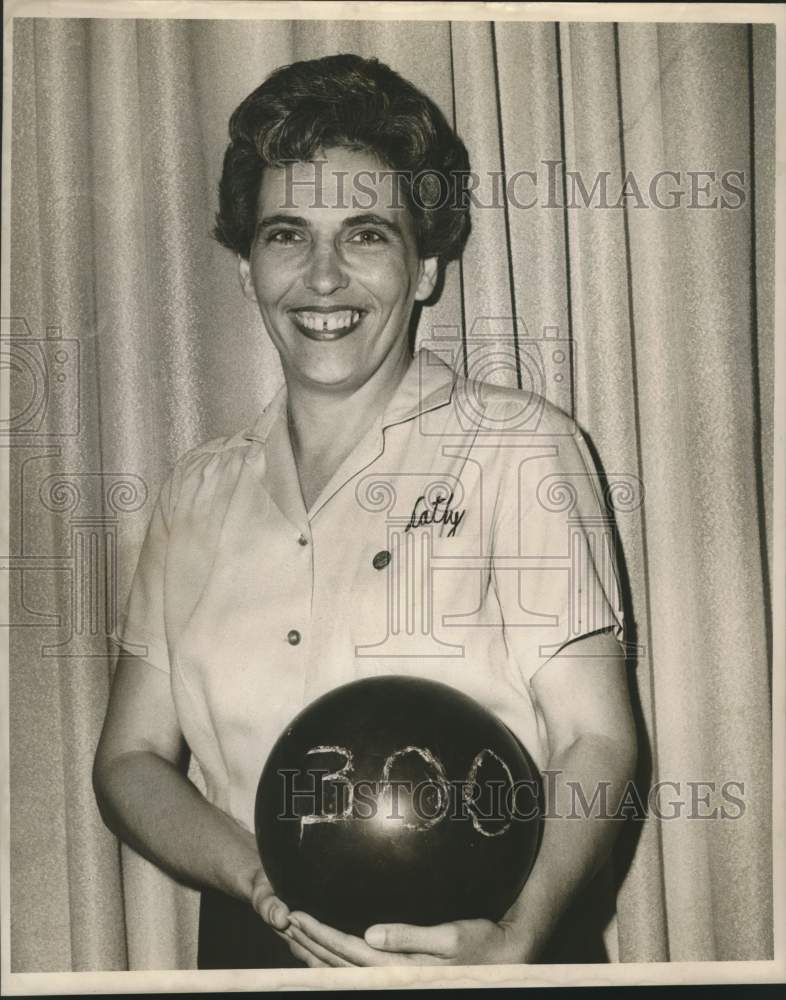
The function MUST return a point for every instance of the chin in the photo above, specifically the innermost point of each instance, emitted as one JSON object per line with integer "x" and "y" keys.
{"x": 330, "y": 376}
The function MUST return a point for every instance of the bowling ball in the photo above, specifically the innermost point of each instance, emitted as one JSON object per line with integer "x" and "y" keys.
{"x": 398, "y": 800}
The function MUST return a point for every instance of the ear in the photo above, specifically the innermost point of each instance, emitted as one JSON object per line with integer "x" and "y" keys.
{"x": 429, "y": 269}
{"x": 246, "y": 282}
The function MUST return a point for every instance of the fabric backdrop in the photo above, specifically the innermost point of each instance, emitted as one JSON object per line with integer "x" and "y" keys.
{"x": 665, "y": 322}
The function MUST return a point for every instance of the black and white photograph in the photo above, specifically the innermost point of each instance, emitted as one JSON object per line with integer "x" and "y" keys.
{"x": 392, "y": 462}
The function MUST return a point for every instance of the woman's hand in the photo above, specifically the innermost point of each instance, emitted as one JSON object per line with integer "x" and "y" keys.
{"x": 463, "y": 942}
{"x": 267, "y": 905}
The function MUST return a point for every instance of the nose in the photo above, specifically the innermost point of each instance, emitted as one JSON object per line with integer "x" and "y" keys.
{"x": 325, "y": 274}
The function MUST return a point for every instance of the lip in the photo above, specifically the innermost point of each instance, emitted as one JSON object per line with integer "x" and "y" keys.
{"x": 323, "y": 335}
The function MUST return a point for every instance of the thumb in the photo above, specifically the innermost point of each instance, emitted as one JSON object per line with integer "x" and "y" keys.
{"x": 272, "y": 910}
{"x": 439, "y": 940}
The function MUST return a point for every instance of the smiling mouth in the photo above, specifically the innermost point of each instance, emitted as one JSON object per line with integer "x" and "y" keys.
{"x": 327, "y": 324}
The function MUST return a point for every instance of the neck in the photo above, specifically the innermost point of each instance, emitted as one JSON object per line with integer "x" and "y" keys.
{"x": 324, "y": 421}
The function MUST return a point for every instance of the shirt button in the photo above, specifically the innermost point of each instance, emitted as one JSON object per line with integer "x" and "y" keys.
{"x": 302, "y": 540}
{"x": 293, "y": 637}
{"x": 381, "y": 559}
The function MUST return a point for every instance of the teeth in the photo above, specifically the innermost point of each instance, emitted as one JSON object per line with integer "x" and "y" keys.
{"x": 329, "y": 321}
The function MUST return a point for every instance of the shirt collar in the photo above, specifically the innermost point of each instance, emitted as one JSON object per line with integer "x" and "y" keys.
{"x": 427, "y": 384}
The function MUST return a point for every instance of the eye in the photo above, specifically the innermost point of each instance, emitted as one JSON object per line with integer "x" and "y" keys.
{"x": 284, "y": 237}
{"x": 367, "y": 237}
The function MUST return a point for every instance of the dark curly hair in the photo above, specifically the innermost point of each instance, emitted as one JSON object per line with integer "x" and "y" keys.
{"x": 347, "y": 101}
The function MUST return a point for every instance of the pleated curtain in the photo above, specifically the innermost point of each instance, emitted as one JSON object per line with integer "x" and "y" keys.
{"x": 664, "y": 319}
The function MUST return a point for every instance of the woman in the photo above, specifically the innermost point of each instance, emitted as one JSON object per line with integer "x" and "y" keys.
{"x": 265, "y": 576}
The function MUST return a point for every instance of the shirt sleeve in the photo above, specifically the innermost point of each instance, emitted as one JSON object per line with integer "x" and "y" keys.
{"x": 554, "y": 566}
{"x": 142, "y": 629}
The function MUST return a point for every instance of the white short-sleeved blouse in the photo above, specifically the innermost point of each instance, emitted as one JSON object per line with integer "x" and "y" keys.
{"x": 463, "y": 540}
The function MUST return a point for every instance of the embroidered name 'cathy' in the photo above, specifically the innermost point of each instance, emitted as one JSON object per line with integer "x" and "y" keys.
{"x": 440, "y": 512}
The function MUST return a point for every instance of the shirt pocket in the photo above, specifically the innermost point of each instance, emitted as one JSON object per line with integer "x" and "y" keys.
{"x": 422, "y": 564}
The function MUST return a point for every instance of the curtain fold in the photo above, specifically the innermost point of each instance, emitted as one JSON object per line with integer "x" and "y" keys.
{"x": 652, "y": 325}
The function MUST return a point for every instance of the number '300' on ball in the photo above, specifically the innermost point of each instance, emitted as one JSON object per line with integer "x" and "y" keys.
{"x": 396, "y": 799}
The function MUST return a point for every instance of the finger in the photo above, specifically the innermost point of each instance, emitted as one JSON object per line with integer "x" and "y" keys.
{"x": 306, "y": 956}
{"x": 272, "y": 910}
{"x": 296, "y": 949}
{"x": 442, "y": 940}
{"x": 305, "y": 943}
{"x": 353, "y": 950}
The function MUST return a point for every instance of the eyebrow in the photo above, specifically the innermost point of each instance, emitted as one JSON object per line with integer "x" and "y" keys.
{"x": 371, "y": 219}
{"x": 279, "y": 220}
{"x": 368, "y": 219}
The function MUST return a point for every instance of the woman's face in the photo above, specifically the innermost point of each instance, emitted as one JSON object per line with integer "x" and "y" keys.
{"x": 335, "y": 270}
